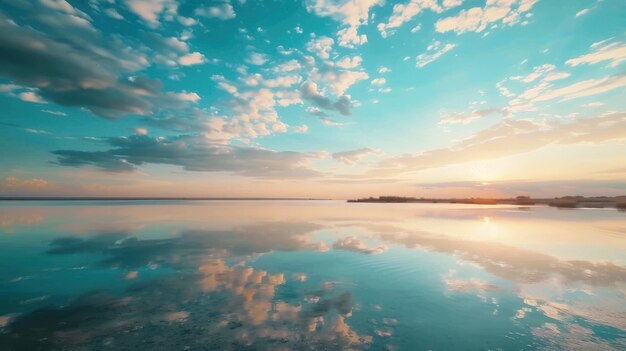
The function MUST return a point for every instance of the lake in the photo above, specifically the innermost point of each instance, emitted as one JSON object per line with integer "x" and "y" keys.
{"x": 309, "y": 275}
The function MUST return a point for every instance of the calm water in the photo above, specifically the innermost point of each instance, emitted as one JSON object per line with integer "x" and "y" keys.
{"x": 280, "y": 275}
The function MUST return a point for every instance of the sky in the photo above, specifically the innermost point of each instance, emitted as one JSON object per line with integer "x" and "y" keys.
{"x": 314, "y": 98}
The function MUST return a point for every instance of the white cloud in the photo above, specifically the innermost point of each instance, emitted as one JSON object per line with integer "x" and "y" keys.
{"x": 379, "y": 81}
{"x": 348, "y": 62}
{"x": 286, "y": 98}
{"x": 477, "y": 19}
{"x": 30, "y": 96}
{"x": 434, "y": 51}
{"x": 301, "y": 129}
{"x": 451, "y": 3}
{"x": 56, "y": 113}
{"x": 383, "y": 70}
{"x": 151, "y": 10}
{"x": 194, "y": 58}
{"x": 614, "y": 52}
{"x": 185, "y": 96}
{"x": 351, "y": 14}
{"x": 582, "y": 12}
{"x": 340, "y": 82}
{"x": 257, "y": 59}
{"x": 288, "y": 66}
{"x": 283, "y": 81}
{"x": 465, "y": 118}
{"x": 141, "y": 131}
{"x": 187, "y": 21}
{"x": 223, "y": 11}
{"x": 403, "y": 13}
{"x": 321, "y": 46}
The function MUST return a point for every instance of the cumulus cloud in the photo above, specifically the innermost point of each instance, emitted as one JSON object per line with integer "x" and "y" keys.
{"x": 289, "y": 66}
{"x": 151, "y": 10}
{"x": 434, "y": 51}
{"x": 351, "y": 14}
{"x": 379, "y": 81}
{"x": 310, "y": 92}
{"x": 510, "y": 137}
{"x": 403, "y": 13}
{"x": 193, "y": 153}
{"x": 75, "y": 65}
{"x": 321, "y": 46}
{"x": 349, "y": 62}
{"x": 30, "y": 96}
{"x": 353, "y": 156}
{"x": 477, "y": 19}
{"x": 257, "y": 59}
{"x": 194, "y": 58}
{"x": 222, "y": 10}
{"x": 301, "y": 129}
{"x": 606, "y": 50}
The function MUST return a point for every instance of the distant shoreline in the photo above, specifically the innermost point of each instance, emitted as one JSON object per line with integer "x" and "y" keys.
{"x": 154, "y": 198}
{"x": 618, "y": 202}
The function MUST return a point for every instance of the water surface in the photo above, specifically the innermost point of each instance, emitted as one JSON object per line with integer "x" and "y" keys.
{"x": 308, "y": 275}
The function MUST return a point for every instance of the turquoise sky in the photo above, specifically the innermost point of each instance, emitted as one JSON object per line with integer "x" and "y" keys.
{"x": 312, "y": 98}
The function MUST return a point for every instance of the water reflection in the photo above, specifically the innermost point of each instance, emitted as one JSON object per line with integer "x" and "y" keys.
{"x": 312, "y": 275}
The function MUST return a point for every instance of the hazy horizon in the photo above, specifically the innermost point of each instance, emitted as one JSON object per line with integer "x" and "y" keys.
{"x": 312, "y": 99}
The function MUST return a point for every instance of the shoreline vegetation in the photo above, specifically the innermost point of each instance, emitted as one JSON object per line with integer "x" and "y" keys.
{"x": 618, "y": 202}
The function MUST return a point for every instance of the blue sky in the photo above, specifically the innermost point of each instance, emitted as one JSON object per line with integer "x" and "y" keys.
{"x": 312, "y": 98}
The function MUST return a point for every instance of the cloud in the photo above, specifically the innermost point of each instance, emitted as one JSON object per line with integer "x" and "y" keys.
{"x": 257, "y": 59}
{"x": 544, "y": 91}
{"x": 606, "y": 50}
{"x": 545, "y": 72}
{"x": 465, "y": 118}
{"x": 111, "y": 12}
{"x": 56, "y": 113}
{"x": 283, "y": 81}
{"x": 379, "y": 81}
{"x": 353, "y": 156}
{"x": 321, "y": 46}
{"x": 310, "y": 93}
{"x": 582, "y": 12}
{"x": 30, "y": 96}
{"x": 194, "y": 58}
{"x": 348, "y": 62}
{"x": 403, "y": 13}
{"x": 351, "y": 14}
{"x": 289, "y": 66}
{"x": 301, "y": 129}
{"x": 150, "y": 10}
{"x": 223, "y": 10}
{"x": 193, "y": 153}
{"x": 477, "y": 19}
{"x": 352, "y": 243}
{"x": 434, "y": 51}
{"x": 74, "y": 65}
{"x": 10, "y": 184}
{"x": 510, "y": 137}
